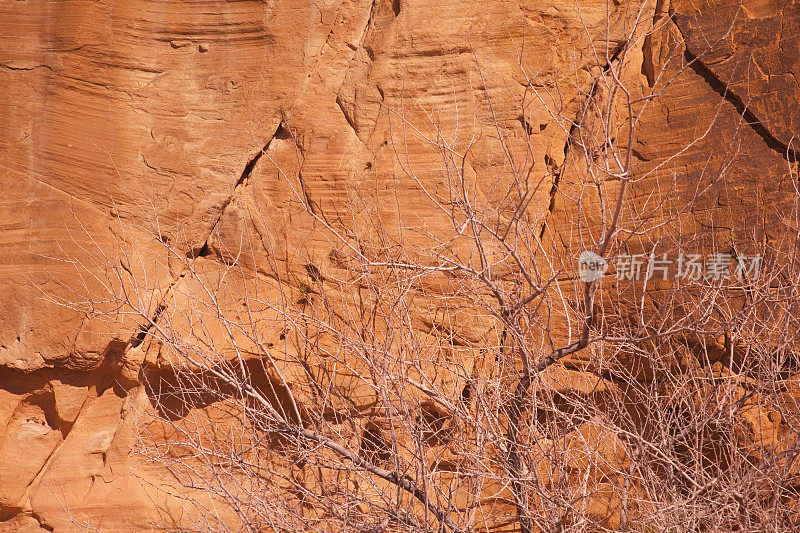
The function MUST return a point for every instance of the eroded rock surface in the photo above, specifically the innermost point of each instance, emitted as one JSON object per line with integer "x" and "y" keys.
{"x": 229, "y": 130}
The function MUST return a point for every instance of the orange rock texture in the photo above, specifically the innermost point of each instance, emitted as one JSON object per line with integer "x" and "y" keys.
{"x": 146, "y": 145}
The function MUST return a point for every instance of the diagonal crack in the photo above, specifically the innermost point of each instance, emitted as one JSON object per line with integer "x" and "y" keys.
{"x": 557, "y": 171}
{"x": 722, "y": 88}
{"x": 25, "y": 501}
{"x": 696, "y": 63}
{"x": 204, "y": 250}
{"x": 136, "y": 340}
{"x": 369, "y": 23}
{"x": 347, "y": 116}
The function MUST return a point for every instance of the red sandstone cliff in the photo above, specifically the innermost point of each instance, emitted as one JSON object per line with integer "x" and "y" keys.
{"x": 233, "y": 132}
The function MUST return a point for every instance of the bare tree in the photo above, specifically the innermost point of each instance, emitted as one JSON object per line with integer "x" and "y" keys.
{"x": 352, "y": 396}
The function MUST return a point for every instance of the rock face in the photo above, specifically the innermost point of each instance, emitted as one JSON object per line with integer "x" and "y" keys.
{"x": 147, "y": 140}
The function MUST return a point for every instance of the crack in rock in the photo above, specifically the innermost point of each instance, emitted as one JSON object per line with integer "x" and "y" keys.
{"x": 700, "y": 68}
{"x": 204, "y": 250}
{"x": 557, "y": 171}
{"x": 756, "y": 124}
